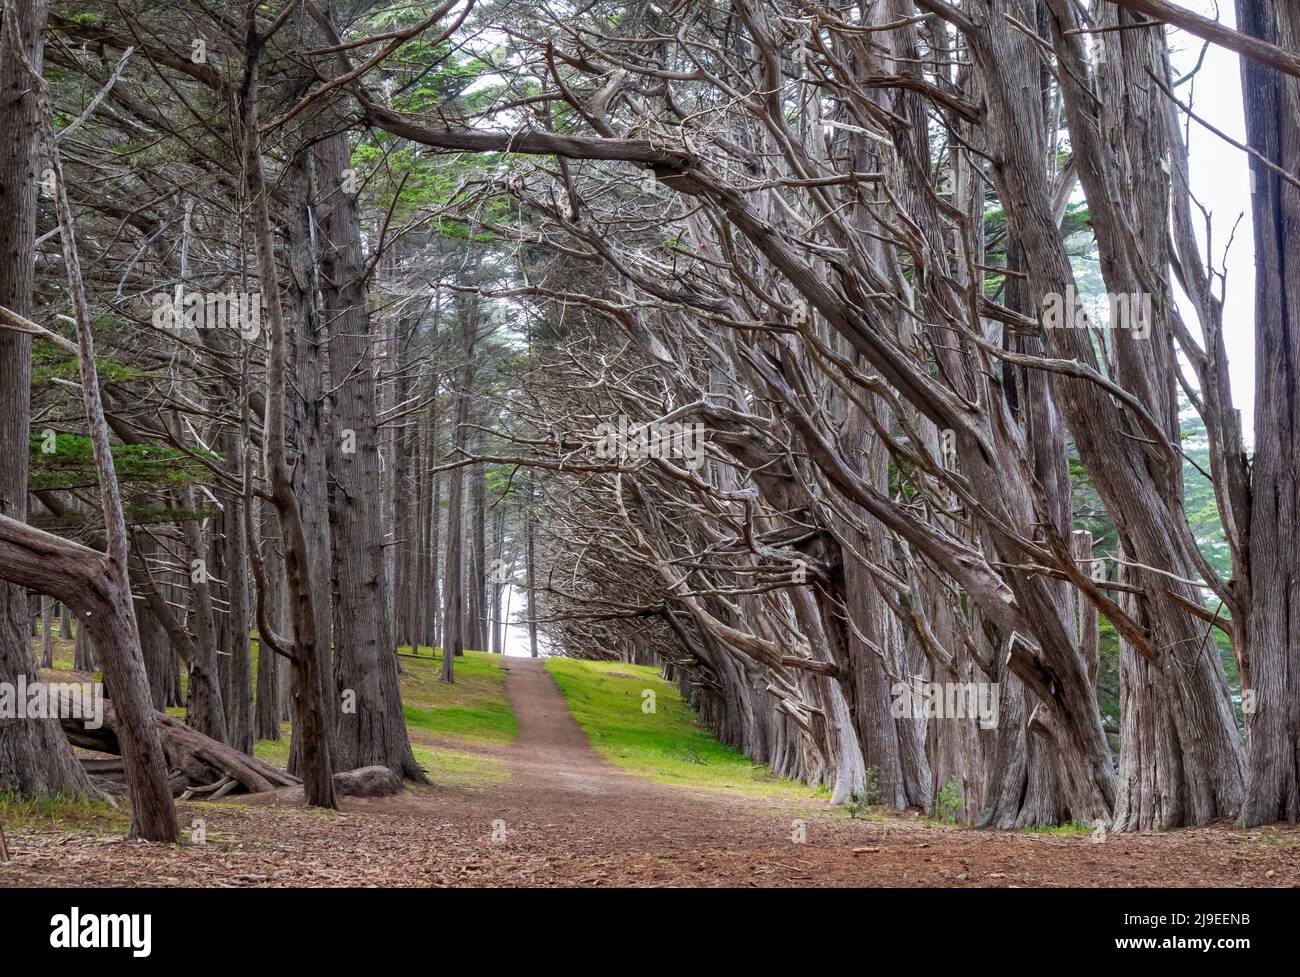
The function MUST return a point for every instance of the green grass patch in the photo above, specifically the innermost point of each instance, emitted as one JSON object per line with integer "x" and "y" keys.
{"x": 61, "y": 811}
{"x": 666, "y": 744}
{"x": 1271, "y": 838}
{"x": 446, "y": 767}
{"x": 274, "y": 751}
{"x": 1069, "y": 828}
{"x": 472, "y": 708}
{"x": 465, "y": 771}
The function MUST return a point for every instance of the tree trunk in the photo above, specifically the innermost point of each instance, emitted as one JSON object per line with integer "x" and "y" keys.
{"x": 530, "y": 530}
{"x": 204, "y": 709}
{"x": 453, "y": 618}
{"x": 372, "y": 729}
{"x": 430, "y": 596}
{"x": 269, "y": 708}
{"x": 311, "y": 726}
{"x": 231, "y": 567}
{"x": 306, "y": 342}
{"x": 35, "y": 758}
{"x": 477, "y": 607}
{"x": 47, "y": 640}
{"x": 1271, "y": 658}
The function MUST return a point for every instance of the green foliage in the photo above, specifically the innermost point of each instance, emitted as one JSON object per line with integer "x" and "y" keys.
{"x": 51, "y": 363}
{"x": 860, "y": 804}
{"x": 871, "y": 785}
{"x": 950, "y": 801}
{"x": 410, "y": 180}
{"x": 71, "y": 464}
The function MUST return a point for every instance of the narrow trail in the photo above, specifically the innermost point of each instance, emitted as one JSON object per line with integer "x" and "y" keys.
{"x": 550, "y": 756}
{"x": 566, "y": 817}
{"x": 551, "y": 761}
{"x": 565, "y": 796}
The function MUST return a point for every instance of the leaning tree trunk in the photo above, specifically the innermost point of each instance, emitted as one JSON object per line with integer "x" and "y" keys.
{"x": 1189, "y": 751}
{"x": 97, "y": 585}
{"x": 195, "y": 762}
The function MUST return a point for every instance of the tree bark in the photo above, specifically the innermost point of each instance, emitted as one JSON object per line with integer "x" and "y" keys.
{"x": 372, "y": 729}
{"x": 1271, "y": 657}
{"x": 307, "y": 352}
{"x": 311, "y": 727}
{"x": 35, "y": 758}
{"x": 269, "y": 708}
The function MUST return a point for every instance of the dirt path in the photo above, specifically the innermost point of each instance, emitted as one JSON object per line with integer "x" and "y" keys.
{"x": 568, "y": 818}
{"x": 552, "y": 765}
{"x": 550, "y": 758}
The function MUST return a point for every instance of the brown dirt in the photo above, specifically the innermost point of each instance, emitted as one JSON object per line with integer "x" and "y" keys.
{"x": 570, "y": 819}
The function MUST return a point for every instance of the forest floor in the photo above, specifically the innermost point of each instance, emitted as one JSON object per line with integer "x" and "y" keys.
{"x": 553, "y": 811}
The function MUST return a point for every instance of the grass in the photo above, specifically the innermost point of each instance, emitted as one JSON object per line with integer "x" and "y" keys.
{"x": 1269, "y": 837}
{"x": 1069, "y": 828}
{"x": 274, "y": 751}
{"x": 465, "y": 771}
{"x": 64, "y": 650}
{"x": 59, "y": 811}
{"x": 664, "y": 745}
{"x": 472, "y": 710}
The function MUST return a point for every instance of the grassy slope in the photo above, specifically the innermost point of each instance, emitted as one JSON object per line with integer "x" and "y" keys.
{"x": 665, "y": 745}
{"x": 472, "y": 710}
